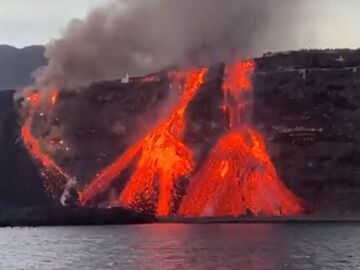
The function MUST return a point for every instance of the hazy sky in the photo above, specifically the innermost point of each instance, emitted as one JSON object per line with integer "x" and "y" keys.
{"x": 26, "y": 22}
{"x": 325, "y": 23}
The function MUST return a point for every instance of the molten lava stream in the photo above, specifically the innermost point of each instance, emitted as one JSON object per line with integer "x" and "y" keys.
{"x": 238, "y": 176}
{"x": 163, "y": 159}
{"x": 50, "y": 170}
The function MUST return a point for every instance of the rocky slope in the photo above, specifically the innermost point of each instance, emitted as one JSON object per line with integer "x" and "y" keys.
{"x": 308, "y": 107}
{"x": 306, "y": 104}
{"x": 20, "y": 181}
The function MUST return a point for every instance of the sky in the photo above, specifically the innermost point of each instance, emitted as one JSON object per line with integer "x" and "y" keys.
{"x": 330, "y": 23}
{"x": 28, "y": 22}
{"x": 325, "y": 23}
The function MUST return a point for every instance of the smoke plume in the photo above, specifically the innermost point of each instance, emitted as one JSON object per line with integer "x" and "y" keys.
{"x": 143, "y": 36}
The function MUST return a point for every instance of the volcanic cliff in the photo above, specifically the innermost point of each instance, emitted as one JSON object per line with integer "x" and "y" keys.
{"x": 305, "y": 105}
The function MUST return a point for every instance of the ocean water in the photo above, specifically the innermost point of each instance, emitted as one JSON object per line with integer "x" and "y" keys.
{"x": 163, "y": 246}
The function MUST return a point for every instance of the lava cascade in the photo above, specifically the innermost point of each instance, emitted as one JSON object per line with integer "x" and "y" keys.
{"x": 238, "y": 177}
{"x": 163, "y": 159}
{"x": 53, "y": 175}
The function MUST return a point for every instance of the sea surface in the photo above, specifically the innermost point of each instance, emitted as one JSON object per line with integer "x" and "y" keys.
{"x": 202, "y": 246}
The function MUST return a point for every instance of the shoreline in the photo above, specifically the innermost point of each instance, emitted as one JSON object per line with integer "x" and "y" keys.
{"x": 66, "y": 216}
{"x": 260, "y": 220}
{"x": 55, "y": 216}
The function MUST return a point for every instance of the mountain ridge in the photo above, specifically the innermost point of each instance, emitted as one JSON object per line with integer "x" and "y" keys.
{"x": 18, "y": 64}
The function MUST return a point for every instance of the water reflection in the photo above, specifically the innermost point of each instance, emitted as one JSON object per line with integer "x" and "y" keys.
{"x": 207, "y": 247}
{"x": 163, "y": 247}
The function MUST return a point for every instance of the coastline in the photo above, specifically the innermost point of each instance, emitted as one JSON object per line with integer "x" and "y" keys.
{"x": 66, "y": 216}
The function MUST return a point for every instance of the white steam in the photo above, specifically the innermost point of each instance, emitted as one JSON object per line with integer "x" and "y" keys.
{"x": 66, "y": 196}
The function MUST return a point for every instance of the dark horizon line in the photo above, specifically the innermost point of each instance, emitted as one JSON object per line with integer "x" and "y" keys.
{"x": 21, "y": 47}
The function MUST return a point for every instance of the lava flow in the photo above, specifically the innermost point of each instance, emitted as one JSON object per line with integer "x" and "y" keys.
{"x": 54, "y": 176}
{"x": 238, "y": 177}
{"x": 162, "y": 161}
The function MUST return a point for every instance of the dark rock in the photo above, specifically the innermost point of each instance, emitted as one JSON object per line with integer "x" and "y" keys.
{"x": 20, "y": 181}
{"x": 66, "y": 216}
{"x": 306, "y": 105}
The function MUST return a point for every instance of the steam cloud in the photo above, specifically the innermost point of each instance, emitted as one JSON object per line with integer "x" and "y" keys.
{"x": 144, "y": 36}
{"x": 71, "y": 184}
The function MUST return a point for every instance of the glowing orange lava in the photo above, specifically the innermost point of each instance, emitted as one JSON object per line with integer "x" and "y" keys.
{"x": 238, "y": 177}
{"x": 50, "y": 171}
{"x": 163, "y": 158}
{"x": 236, "y": 84}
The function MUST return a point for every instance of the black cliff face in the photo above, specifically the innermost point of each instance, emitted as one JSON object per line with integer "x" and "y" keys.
{"x": 306, "y": 105}
{"x": 20, "y": 182}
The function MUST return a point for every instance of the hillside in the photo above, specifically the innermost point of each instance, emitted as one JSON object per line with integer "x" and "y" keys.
{"x": 306, "y": 105}
{"x": 17, "y": 65}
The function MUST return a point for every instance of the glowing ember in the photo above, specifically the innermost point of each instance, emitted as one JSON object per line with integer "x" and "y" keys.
{"x": 53, "y": 97}
{"x": 238, "y": 177}
{"x": 50, "y": 171}
{"x": 163, "y": 159}
{"x": 149, "y": 79}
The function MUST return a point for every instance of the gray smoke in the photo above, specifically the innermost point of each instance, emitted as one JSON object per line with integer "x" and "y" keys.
{"x": 143, "y": 36}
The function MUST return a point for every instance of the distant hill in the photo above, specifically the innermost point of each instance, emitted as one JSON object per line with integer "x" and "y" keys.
{"x": 17, "y": 65}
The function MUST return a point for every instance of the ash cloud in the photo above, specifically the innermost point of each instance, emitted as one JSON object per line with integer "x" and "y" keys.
{"x": 144, "y": 36}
